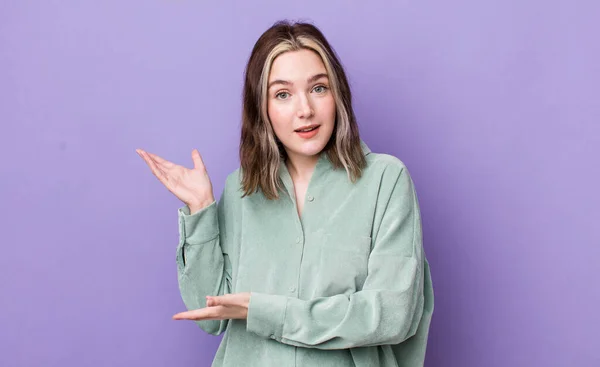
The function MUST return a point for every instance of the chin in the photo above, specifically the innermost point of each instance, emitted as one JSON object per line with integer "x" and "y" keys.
{"x": 306, "y": 148}
{"x": 310, "y": 148}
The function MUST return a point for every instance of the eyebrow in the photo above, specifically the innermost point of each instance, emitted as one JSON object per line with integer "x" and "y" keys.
{"x": 285, "y": 82}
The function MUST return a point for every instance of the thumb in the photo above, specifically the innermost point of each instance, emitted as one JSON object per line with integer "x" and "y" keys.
{"x": 212, "y": 301}
{"x": 197, "y": 159}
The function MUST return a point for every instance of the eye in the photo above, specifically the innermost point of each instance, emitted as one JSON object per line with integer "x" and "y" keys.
{"x": 282, "y": 95}
{"x": 320, "y": 89}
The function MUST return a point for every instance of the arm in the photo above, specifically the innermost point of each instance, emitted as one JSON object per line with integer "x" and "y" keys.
{"x": 388, "y": 308}
{"x": 203, "y": 265}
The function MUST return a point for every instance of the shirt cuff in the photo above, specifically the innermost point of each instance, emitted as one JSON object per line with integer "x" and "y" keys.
{"x": 266, "y": 314}
{"x": 200, "y": 227}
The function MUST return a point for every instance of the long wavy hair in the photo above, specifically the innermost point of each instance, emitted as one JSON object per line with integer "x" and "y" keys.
{"x": 261, "y": 152}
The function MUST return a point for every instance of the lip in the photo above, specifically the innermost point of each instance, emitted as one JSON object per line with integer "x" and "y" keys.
{"x": 309, "y": 134}
{"x": 306, "y": 127}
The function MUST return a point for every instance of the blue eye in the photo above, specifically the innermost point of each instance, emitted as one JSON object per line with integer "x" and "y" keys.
{"x": 320, "y": 89}
{"x": 280, "y": 94}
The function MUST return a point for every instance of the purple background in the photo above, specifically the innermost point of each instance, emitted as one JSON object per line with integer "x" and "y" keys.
{"x": 493, "y": 106}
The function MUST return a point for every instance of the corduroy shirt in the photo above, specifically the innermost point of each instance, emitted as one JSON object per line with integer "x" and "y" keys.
{"x": 345, "y": 284}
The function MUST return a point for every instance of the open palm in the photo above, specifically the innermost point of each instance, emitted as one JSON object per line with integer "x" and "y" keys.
{"x": 190, "y": 185}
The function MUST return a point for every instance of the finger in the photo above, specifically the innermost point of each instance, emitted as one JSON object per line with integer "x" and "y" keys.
{"x": 160, "y": 161}
{"x": 164, "y": 167}
{"x": 141, "y": 154}
{"x": 224, "y": 300}
{"x": 197, "y": 159}
{"x": 160, "y": 174}
{"x": 144, "y": 156}
{"x": 212, "y": 301}
{"x": 200, "y": 314}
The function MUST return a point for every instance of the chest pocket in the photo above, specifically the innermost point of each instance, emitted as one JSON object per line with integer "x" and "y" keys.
{"x": 343, "y": 263}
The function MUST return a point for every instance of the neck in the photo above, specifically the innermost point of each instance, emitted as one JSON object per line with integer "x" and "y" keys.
{"x": 301, "y": 167}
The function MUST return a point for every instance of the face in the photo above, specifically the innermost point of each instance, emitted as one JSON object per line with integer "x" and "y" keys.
{"x": 299, "y": 97}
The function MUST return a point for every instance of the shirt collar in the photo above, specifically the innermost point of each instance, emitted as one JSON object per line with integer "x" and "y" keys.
{"x": 364, "y": 147}
{"x": 323, "y": 164}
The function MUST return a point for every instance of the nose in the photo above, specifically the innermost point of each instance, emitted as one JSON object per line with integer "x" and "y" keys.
{"x": 304, "y": 109}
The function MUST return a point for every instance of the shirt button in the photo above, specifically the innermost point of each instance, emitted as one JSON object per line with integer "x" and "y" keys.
{"x": 297, "y": 239}
{"x": 310, "y": 198}
{"x": 272, "y": 336}
{"x": 292, "y": 289}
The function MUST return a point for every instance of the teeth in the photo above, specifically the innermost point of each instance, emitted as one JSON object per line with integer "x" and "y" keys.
{"x": 309, "y": 129}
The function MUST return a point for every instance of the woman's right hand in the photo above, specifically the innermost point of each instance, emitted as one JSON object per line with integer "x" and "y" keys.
{"x": 191, "y": 186}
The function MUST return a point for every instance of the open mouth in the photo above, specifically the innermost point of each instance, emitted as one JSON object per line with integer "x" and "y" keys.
{"x": 307, "y": 129}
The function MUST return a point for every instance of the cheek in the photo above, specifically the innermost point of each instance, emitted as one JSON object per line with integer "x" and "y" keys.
{"x": 327, "y": 108}
{"x": 278, "y": 115}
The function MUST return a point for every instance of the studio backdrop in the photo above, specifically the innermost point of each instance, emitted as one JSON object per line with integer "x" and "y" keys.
{"x": 492, "y": 105}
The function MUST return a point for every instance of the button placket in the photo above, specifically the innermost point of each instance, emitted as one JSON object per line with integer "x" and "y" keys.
{"x": 299, "y": 240}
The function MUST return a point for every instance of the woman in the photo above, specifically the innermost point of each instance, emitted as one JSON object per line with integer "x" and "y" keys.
{"x": 313, "y": 254}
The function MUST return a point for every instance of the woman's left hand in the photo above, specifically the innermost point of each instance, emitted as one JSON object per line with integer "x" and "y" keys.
{"x": 227, "y": 306}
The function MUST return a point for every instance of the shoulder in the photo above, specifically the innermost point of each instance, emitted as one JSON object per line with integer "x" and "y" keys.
{"x": 231, "y": 194}
{"x": 385, "y": 167}
{"x": 233, "y": 182}
{"x": 389, "y": 176}
{"x": 233, "y": 177}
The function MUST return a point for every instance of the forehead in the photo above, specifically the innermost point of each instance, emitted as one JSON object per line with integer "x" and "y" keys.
{"x": 296, "y": 66}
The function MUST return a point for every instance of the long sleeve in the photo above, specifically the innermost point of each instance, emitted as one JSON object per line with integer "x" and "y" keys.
{"x": 387, "y": 310}
{"x": 203, "y": 264}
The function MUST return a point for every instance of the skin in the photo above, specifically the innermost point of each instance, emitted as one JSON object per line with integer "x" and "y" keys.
{"x": 298, "y": 95}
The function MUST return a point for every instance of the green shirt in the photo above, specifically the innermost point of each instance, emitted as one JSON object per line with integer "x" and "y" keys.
{"x": 347, "y": 284}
